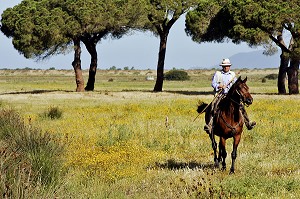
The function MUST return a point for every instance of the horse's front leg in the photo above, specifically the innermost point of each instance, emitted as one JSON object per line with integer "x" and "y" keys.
{"x": 236, "y": 141}
{"x": 214, "y": 146}
{"x": 222, "y": 152}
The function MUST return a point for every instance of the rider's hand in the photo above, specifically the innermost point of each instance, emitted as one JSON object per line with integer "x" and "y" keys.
{"x": 221, "y": 86}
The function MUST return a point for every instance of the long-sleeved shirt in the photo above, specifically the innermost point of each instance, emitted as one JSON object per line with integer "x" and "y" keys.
{"x": 222, "y": 78}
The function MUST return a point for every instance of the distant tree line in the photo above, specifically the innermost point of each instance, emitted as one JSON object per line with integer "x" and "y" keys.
{"x": 42, "y": 28}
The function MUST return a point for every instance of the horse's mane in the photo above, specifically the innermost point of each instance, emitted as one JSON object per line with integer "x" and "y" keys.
{"x": 233, "y": 87}
{"x": 227, "y": 99}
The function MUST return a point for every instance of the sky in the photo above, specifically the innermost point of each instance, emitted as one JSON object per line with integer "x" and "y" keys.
{"x": 138, "y": 50}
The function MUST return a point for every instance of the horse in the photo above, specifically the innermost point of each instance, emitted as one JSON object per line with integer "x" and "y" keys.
{"x": 228, "y": 121}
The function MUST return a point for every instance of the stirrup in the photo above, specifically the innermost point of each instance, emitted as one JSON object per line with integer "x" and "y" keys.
{"x": 251, "y": 125}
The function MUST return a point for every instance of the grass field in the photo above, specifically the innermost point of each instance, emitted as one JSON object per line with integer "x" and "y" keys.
{"x": 125, "y": 141}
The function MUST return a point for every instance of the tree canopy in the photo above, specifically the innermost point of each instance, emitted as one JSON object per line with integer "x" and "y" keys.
{"x": 41, "y": 28}
{"x": 36, "y": 30}
{"x": 99, "y": 20}
{"x": 159, "y": 18}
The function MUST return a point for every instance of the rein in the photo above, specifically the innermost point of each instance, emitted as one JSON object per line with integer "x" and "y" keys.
{"x": 241, "y": 101}
{"x": 233, "y": 128}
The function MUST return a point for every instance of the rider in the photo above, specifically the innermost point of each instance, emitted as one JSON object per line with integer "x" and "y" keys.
{"x": 221, "y": 82}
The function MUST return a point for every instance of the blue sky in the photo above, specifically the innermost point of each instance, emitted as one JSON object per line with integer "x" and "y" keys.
{"x": 139, "y": 50}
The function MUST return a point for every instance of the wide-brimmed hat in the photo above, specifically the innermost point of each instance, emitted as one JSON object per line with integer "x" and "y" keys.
{"x": 225, "y": 62}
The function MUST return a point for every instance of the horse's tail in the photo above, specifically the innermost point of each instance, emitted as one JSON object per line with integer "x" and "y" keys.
{"x": 202, "y": 107}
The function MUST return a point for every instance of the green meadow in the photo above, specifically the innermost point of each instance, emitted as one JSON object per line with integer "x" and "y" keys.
{"x": 125, "y": 141}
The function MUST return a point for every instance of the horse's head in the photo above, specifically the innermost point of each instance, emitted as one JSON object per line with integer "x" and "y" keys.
{"x": 243, "y": 91}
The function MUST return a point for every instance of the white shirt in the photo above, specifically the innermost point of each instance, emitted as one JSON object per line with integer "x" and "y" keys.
{"x": 222, "y": 78}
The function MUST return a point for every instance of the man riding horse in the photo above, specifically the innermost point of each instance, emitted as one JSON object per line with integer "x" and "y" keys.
{"x": 221, "y": 82}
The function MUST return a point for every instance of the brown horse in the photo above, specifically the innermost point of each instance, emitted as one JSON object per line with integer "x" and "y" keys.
{"x": 228, "y": 121}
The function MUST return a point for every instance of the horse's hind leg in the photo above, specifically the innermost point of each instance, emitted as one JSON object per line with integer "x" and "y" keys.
{"x": 222, "y": 153}
{"x": 236, "y": 141}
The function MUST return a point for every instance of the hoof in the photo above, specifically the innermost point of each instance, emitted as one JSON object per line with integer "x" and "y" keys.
{"x": 231, "y": 171}
{"x": 223, "y": 168}
{"x": 216, "y": 165}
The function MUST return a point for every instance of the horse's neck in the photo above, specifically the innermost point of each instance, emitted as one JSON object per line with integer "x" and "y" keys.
{"x": 231, "y": 104}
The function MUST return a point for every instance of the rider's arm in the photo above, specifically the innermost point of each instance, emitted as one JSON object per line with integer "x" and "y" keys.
{"x": 215, "y": 82}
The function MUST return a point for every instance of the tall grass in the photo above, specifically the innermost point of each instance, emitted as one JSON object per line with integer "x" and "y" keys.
{"x": 29, "y": 158}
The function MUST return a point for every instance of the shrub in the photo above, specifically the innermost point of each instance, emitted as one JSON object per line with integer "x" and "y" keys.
{"x": 113, "y": 68}
{"x": 177, "y": 75}
{"x": 272, "y": 76}
{"x": 54, "y": 113}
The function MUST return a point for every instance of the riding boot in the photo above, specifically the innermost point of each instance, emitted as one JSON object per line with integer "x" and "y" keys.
{"x": 208, "y": 127}
{"x": 249, "y": 124}
{"x": 213, "y": 110}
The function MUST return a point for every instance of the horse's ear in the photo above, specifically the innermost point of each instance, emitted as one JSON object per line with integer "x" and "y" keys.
{"x": 239, "y": 79}
{"x": 245, "y": 80}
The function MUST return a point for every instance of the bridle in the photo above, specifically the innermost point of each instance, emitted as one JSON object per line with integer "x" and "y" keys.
{"x": 241, "y": 98}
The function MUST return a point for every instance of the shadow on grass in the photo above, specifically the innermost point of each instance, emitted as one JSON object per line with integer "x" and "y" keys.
{"x": 212, "y": 93}
{"x": 34, "y": 92}
{"x": 173, "y": 165}
{"x": 191, "y": 92}
{"x": 173, "y": 92}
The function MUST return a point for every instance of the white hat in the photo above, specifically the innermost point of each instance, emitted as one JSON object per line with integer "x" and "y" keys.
{"x": 225, "y": 62}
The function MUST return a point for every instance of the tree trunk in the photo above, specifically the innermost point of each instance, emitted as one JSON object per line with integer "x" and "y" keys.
{"x": 91, "y": 47}
{"x": 293, "y": 76}
{"x": 77, "y": 66}
{"x": 284, "y": 63}
{"x": 161, "y": 63}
